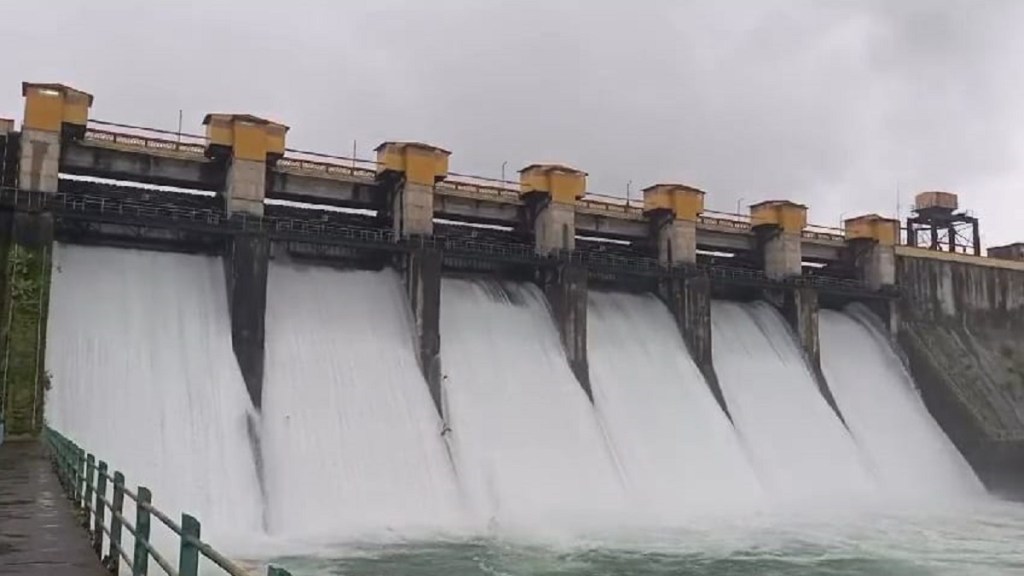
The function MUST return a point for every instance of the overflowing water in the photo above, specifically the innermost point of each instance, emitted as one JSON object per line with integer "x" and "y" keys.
{"x": 360, "y": 475}
{"x": 527, "y": 444}
{"x": 908, "y": 452}
{"x": 679, "y": 452}
{"x": 802, "y": 452}
{"x": 351, "y": 437}
{"x": 144, "y": 376}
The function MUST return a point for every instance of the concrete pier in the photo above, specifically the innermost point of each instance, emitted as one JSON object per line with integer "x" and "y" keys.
{"x": 778, "y": 226}
{"x": 423, "y": 288}
{"x": 800, "y": 308}
{"x": 246, "y": 262}
{"x": 550, "y": 192}
{"x": 689, "y": 301}
{"x": 566, "y": 290}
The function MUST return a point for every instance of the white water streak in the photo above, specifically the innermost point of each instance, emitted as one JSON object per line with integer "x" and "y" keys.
{"x": 351, "y": 437}
{"x": 679, "y": 451}
{"x": 909, "y": 453}
{"x": 528, "y": 445}
{"x": 802, "y": 451}
{"x": 144, "y": 376}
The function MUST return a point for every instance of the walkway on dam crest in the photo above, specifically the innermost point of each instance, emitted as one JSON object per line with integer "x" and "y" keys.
{"x": 39, "y": 531}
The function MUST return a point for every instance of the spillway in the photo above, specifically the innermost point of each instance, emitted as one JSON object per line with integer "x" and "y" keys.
{"x": 351, "y": 438}
{"x": 800, "y": 448}
{"x": 528, "y": 445}
{"x": 679, "y": 452}
{"x": 909, "y": 454}
{"x": 143, "y": 375}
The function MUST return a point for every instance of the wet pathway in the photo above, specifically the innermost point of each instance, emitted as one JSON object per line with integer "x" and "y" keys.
{"x": 39, "y": 531}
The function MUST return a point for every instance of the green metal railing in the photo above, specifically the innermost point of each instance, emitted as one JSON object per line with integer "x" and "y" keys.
{"x": 95, "y": 491}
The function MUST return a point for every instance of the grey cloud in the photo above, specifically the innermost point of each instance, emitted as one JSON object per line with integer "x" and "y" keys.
{"x": 831, "y": 102}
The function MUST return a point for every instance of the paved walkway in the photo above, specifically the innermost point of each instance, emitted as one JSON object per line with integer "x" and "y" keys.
{"x": 39, "y": 532}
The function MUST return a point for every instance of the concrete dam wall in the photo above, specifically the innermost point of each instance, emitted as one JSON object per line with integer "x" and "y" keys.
{"x": 961, "y": 329}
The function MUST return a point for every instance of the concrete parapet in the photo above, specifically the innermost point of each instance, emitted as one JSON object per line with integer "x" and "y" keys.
{"x": 566, "y": 290}
{"x": 246, "y": 260}
{"x": 689, "y": 301}
{"x": 423, "y": 287}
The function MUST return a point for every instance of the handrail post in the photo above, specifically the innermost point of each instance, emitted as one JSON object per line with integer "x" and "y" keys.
{"x": 188, "y": 558}
{"x": 100, "y": 511}
{"x": 140, "y": 565}
{"x": 79, "y": 477}
{"x": 90, "y": 475}
{"x": 114, "y": 554}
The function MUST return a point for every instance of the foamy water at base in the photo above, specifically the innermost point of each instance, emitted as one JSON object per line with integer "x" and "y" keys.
{"x": 984, "y": 541}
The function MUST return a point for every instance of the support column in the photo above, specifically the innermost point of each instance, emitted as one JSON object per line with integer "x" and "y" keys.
{"x": 689, "y": 301}
{"x": 423, "y": 288}
{"x": 52, "y": 112}
{"x": 800, "y": 308}
{"x": 246, "y": 261}
{"x": 673, "y": 211}
{"x": 779, "y": 225}
{"x": 566, "y": 290}
{"x": 871, "y": 251}
{"x": 550, "y": 192}
{"x": 407, "y": 173}
{"x": 246, "y": 145}
{"x": 870, "y": 247}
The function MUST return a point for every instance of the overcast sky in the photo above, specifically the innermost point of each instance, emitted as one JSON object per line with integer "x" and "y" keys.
{"x": 833, "y": 103}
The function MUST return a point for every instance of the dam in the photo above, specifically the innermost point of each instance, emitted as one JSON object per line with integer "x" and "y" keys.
{"x": 342, "y": 350}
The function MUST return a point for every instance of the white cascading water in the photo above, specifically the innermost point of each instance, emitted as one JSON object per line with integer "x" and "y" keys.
{"x": 909, "y": 454}
{"x": 351, "y": 437}
{"x": 527, "y": 443}
{"x": 800, "y": 448}
{"x": 144, "y": 376}
{"x": 679, "y": 452}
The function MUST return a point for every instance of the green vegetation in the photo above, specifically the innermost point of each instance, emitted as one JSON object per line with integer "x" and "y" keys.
{"x": 23, "y": 377}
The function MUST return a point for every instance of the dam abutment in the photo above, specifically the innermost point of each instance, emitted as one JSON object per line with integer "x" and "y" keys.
{"x": 961, "y": 327}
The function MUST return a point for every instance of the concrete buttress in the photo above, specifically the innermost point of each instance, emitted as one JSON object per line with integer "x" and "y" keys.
{"x": 246, "y": 259}
{"x": 800, "y": 308}
{"x": 423, "y": 287}
{"x": 689, "y": 301}
{"x": 566, "y": 290}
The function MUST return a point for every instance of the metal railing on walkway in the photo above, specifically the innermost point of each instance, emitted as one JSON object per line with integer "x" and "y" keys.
{"x": 95, "y": 491}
